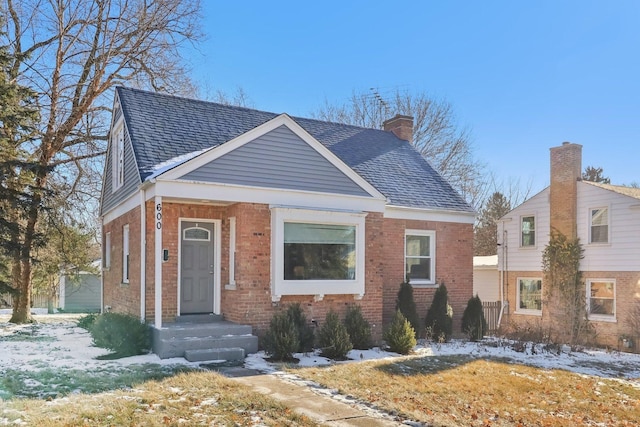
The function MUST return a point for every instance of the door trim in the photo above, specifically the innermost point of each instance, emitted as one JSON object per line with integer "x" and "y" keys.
{"x": 217, "y": 228}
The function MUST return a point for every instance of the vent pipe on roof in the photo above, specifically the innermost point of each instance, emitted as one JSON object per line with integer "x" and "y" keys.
{"x": 401, "y": 126}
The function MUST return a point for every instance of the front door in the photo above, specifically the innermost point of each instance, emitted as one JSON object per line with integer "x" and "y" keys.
{"x": 196, "y": 267}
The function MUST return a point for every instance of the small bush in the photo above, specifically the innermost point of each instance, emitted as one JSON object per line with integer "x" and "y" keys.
{"x": 86, "y": 322}
{"x": 400, "y": 336}
{"x": 281, "y": 340}
{"x": 440, "y": 315}
{"x": 333, "y": 338}
{"x": 407, "y": 306}
{"x": 121, "y": 333}
{"x": 473, "y": 322}
{"x": 304, "y": 330}
{"x": 358, "y": 328}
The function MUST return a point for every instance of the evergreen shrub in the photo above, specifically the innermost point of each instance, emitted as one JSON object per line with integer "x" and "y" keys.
{"x": 121, "y": 333}
{"x": 473, "y": 322}
{"x": 333, "y": 338}
{"x": 304, "y": 330}
{"x": 358, "y": 328}
{"x": 86, "y": 322}
{"x": 440, "y": 315}
{"x": 400, "y": 336}
{"x": 281, "y": 340}
{"x": 407, "y": 305}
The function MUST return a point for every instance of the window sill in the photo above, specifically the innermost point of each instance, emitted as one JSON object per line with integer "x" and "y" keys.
{"x": 599, "y": 244}
{"x": 528, "y": 248}
{"x": 423, "y": 285}
{"x": 602, "y": 318}
{"x": 529, "y": 312}
{"x": 319, "y": 288}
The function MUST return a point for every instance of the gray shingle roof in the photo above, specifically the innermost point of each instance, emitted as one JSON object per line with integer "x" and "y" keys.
{"x": 162, "y": 127}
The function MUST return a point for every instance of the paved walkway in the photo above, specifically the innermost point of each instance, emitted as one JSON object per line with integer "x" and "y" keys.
{"x": 322, "y": 409}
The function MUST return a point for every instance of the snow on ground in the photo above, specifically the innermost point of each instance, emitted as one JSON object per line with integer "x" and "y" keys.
{"x": 56, "y": 342}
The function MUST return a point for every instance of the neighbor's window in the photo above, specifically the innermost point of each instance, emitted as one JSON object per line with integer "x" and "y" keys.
{"x": 106, "y": 256}
{"x": 317, "y": 252}
{"x": 125, "y": 253}
{"x": 117, "y": 157}
{"x": 528, "y": 228}
{"x": 599, "y": 223}
{"x": 601, "y": 298}
{"x": 529, "y": 296}
{"x": 419, "y": 255}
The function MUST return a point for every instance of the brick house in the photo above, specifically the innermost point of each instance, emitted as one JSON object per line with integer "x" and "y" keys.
{"x": 234, "y": 212}
{"x": 606, "y": 219}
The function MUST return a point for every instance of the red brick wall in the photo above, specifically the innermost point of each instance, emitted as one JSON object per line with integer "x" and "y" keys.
{"x": 566, "y": 169}
{"x": 454, "y": 266}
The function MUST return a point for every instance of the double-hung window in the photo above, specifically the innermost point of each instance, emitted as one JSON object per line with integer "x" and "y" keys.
{"x": 601, "y": 299}
{"x": 125, "y": 253}
{"x": 528, "y": 231}
{"x": 117, "y": 157}
{"x": 529, "y": 296}
{"x": 419, "y": 256}
{"x": 599, "y": 225}
{"x": 317, "y": 252}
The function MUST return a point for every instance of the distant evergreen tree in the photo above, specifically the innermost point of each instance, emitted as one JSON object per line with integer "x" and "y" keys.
{"x": 485, "y": 239}
{"x": 440, "y": 315}
{"x": 594, "y": 174}
{"x": 407, "y": 306}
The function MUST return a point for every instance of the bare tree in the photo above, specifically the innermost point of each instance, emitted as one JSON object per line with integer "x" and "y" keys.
{"x": 73, "y": 53}
{"x": 436, "y": 134}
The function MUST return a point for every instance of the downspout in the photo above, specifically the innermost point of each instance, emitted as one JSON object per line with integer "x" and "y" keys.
{"x": 504, "y": 271}
{"x": 143, "y": 255}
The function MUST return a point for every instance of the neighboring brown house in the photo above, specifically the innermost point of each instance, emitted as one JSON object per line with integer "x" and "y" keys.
{"x": 235, "y": 212}
{"x": 606, "y": 219}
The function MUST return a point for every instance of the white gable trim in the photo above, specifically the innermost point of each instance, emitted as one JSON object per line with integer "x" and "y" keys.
{"x": 281, "y": 120}
{"x": 400, "y": 212}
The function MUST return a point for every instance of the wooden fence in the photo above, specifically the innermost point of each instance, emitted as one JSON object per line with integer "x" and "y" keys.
{"x": 491, "y": 311}
{"x": 37, "y": 301}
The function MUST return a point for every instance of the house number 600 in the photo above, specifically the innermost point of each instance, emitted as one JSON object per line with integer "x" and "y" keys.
{"x": 159, "y": 216}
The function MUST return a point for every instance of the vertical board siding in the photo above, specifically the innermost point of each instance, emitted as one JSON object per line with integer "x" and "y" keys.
{"x": 278, "y": 159}
{"x": 131, "y": 176}
{"x": 83, "y": 296}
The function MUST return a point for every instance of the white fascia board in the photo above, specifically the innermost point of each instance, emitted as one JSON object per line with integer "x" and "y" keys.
{"x": 272, "y": 196}
{"x": 400, "y": 212}
{"x": 245, "y": 138}
{"x": 122, "y": 208}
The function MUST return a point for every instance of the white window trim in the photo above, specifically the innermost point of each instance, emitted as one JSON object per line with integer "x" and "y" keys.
{"x": 126, "y": 270}
{"x": 232, "y": 254}
{"x": 535, "y": 234}
{"x": 432, "y": 251}
{"x": 117, "y": 157}
{"x": 528, "y": 311}
{"x": 601, "y": 317}
{"x": 319, "y": 288}
{"x": 589, "y": 217}
{"x": 107, "y": 251}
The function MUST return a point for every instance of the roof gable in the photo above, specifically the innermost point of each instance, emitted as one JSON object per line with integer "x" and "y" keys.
{"x": 164, "y": 127}
{"x": 619, "y": 189}
{"x": 276, "y": 154}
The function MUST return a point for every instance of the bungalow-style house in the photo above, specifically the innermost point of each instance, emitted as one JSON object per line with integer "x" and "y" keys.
{"x": 606, "y": 219}
{"x": 225, "y": 212}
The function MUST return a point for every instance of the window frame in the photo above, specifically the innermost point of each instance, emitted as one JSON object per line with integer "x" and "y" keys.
{"x": 528, "y": 311}
{"x": 432, "y": 256}
{"x": 535, "y": 242}
{"x": 126, "y": 258}
{"x": 117, "y": 157}
{"x": 106, "y": 256}
{"x": 597, "y": 316}
{"x": 280, "y": 286}
{"x": 590, "y": 219}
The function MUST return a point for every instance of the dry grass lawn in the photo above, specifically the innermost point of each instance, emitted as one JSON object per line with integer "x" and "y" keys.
{"x": 190, "y": 399}
{"x": 458, "y": 390}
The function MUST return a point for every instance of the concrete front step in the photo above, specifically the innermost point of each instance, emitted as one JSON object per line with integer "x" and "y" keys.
{"x": 190, "y": 330}
{"x": 198, "y": 318}
{"x": 229, "y": 354}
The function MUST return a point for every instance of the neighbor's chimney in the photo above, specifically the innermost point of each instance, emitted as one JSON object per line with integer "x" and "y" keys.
{"x": 401, "y": 126}
{"x": 566, "y": 169}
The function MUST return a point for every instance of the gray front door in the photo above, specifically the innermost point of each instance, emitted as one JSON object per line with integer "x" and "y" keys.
{"x": 196, "y": 267}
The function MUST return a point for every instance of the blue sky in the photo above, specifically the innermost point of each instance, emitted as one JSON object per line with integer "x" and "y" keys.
{"x": 522, "y": 76}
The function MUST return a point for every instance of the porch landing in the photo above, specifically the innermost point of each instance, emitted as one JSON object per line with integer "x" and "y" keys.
{"x": 200, "y": 338}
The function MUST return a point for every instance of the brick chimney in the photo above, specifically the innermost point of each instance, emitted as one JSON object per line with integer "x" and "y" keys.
{"x": 401, "y": 126}
{"x": 566, "y": 171}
